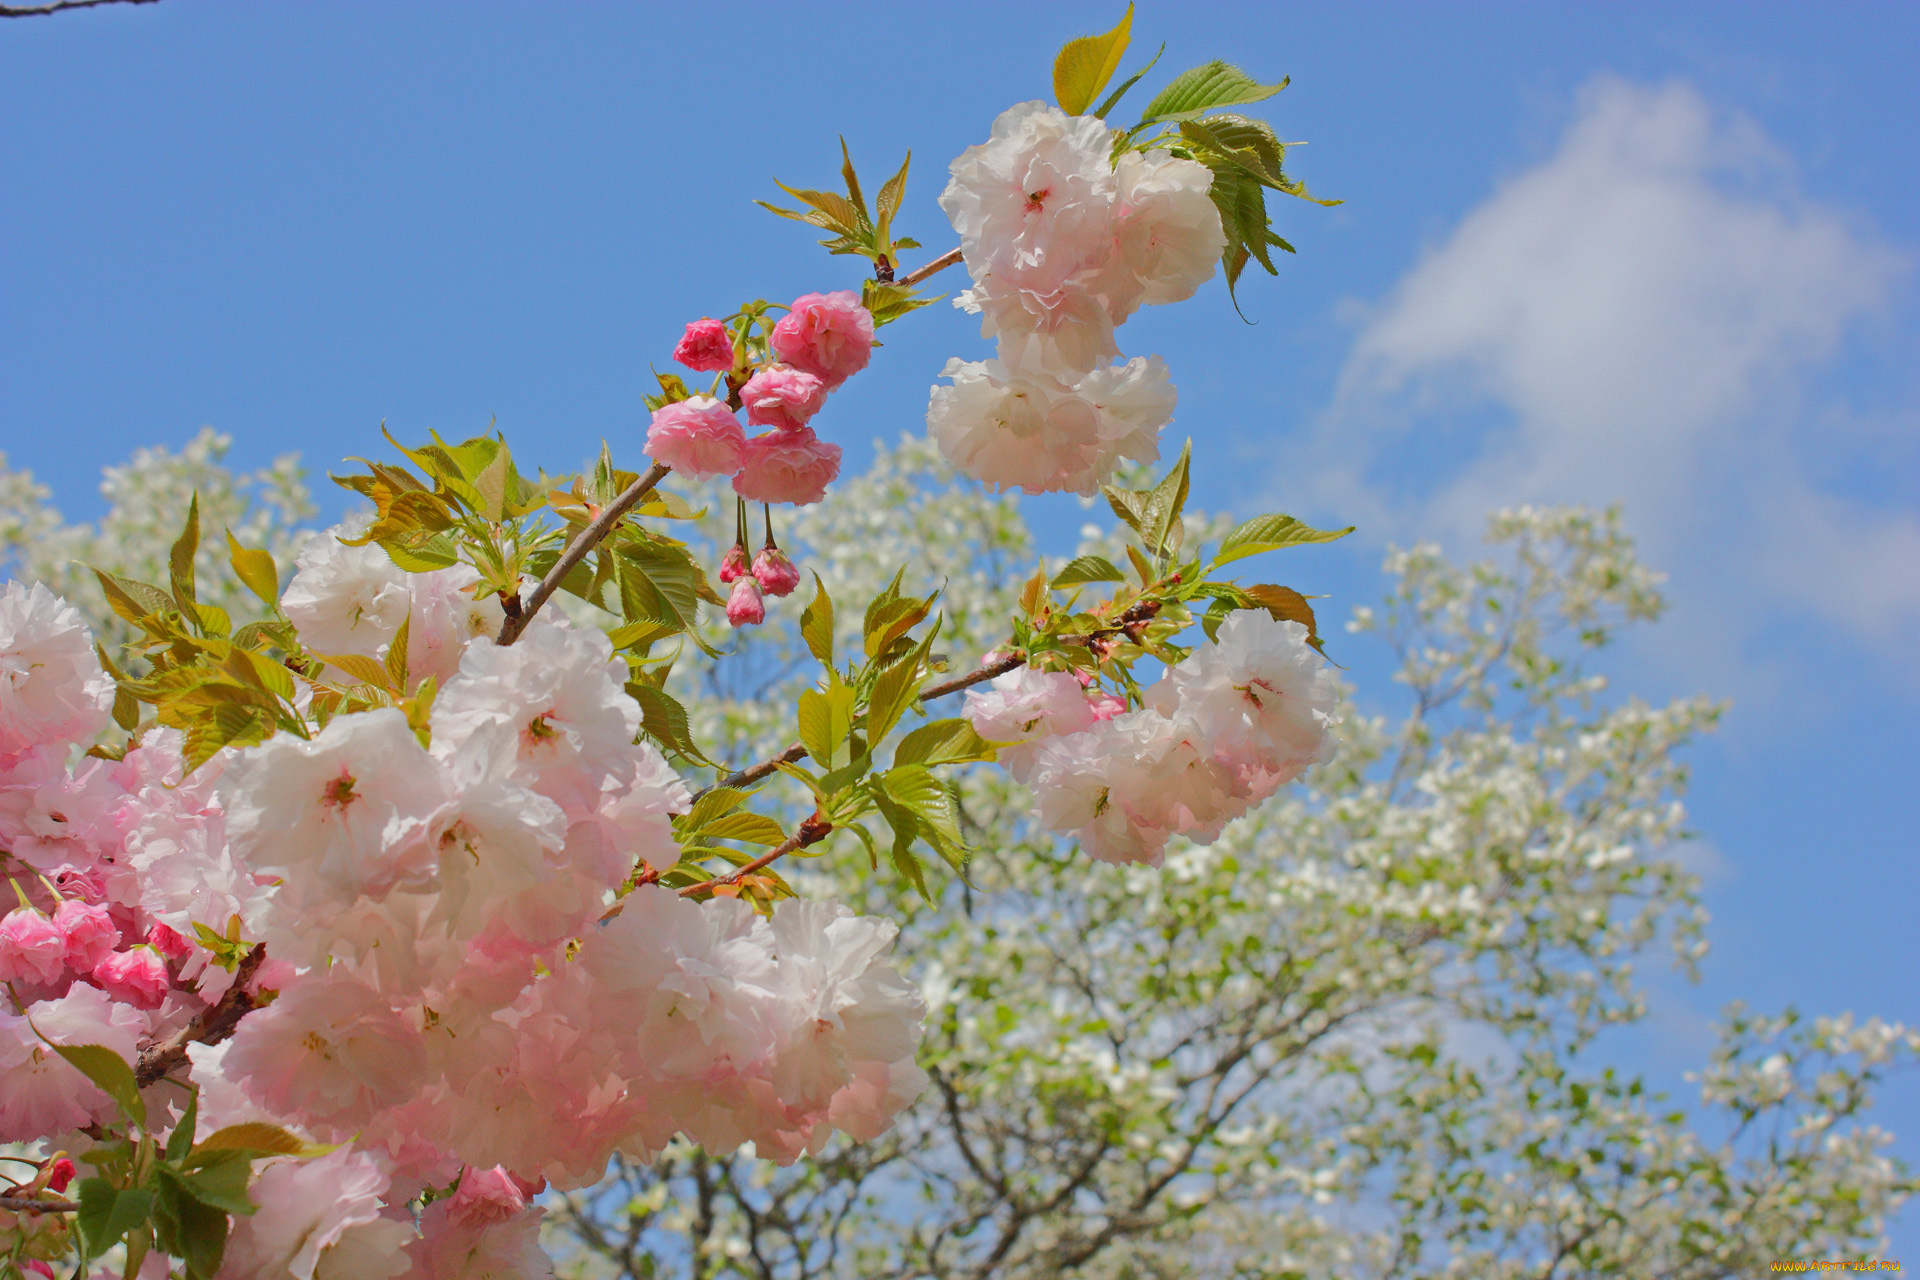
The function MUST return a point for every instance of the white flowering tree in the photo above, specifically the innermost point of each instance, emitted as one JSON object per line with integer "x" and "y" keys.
{"x": 398, "y": 898}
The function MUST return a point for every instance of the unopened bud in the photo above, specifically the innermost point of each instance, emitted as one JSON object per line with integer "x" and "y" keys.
{"x": 777, "y": 575}
{"x": 745, "y": 607}
{"x": 734, "y": 566}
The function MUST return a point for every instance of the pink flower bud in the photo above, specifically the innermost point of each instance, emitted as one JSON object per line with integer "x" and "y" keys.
{"x": 777, "y": 396}
{"x": 698, "y": 436}
{"x": 734, "y": 566}
{"x": 90, "y": 933}
{"x": 706, "y": 347}
{"x": 60, "y": 1175}
{"x": 32, "y": 948}
{"x": 776, "y": 574}
{"x": 745, "y": 607}
{"x": 787, "y": 466}
{"x": 486, "y": 1196}
{"x": 139, "y": 977}
{"x": 829, "y": 335}
{"x": 169, "y": 943}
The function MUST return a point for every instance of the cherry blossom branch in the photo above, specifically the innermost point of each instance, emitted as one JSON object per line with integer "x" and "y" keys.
{"x": 811, "y": 832}
{"x": 934, "y": 268}
{"x": 57, "y": 6}
{"x": 213, "y": 1024}
{"x": 577, "y": 550}
{"x": 28, "y": 1203}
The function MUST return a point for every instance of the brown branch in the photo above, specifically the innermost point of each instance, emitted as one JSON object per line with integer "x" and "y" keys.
{"x": 584, "y": 542}
{"x": 934, "y": 268}
{"x": 812, "y": 831}
{"x": 213, "y": 1024}
{"x": 998, "y": 667}
{"x": 28, "y": 1203}
{"x": 57, "y": 6}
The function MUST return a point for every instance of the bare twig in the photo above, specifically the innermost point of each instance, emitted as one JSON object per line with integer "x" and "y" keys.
{"x": 934, "y": 268}
{"x": 583, "y": 543}
{"x": 812, "y": 831}
{"x": 57, "y": 6}
{"x": 214, "y": 1023}
{"x": 998, "y": 667}
{"x": 17, "y": 1203}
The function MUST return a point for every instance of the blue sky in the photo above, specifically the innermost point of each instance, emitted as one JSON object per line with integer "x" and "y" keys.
{"x": 1662, "y": 254}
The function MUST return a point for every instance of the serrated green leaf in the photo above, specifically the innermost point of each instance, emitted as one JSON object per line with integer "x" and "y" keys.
{"x": 231, "y": 725}
{"x": 107, "y": 1214}
{"x": 1083, "y": 66}
{"x": 710, "y": 807}
{"x": 754, "y": 828}
{"x": 905, "y": 830}
{"x": 943, "y": 742}
{"x": 180, "y": 1141}
{"x": 1270, "y": 533}
{"x": 180, "y": 558}
{"x": 362, "y": 668}
{"x": 894, "y": 690}
{"x": 1160, "y": 524}
{"x": 914, "y": 788}
{"x": 219, "y": 1180}
{"x": 111, "y": 1073}
{"x": 1088, "y": 569}
{"x": 665, "y": 721}
{"x": 1113, "y": 99}
{"x": 1211, "y": 84}
{"x": 256, "y": 1138}
{"x": 255, "y": 569}
{"x": 826, "y": 721}
{"x": 816, "y": 622}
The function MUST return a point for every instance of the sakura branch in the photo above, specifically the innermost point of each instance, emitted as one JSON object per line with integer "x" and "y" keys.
{"x": 211, "y": 1026}
{"x": 579, "y": 549}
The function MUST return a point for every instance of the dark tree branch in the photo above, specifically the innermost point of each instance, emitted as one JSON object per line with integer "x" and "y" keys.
{"x": 57, "y": 6}
{"x": 214, "y": 1023}
{"x": 577, "y": 550}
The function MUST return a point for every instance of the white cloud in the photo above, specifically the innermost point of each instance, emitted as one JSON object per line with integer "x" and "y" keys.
{"x": 1641, "y": 317}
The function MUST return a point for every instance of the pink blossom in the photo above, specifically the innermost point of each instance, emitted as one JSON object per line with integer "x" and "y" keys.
{"x": 829, "y": 335}
{"x": 734, "y": 565}
{"x": 32, "y": 948}
{"x": 778, "y": 396}
{"x": 60, "y": 1175}
{"x": 744, "y": 606}
{"x": 698, "y": 436}
{"x": 138, "y": 977}
{"x": 328, "y": 1051}
{"x": 777, "y": 575}
{"x": 787, "y": 466}
{"x": 706, "y": 347}
{"x": 169, "y": 943}
{"x": 487, "y": 1196}
{"x": 89, "y": 931}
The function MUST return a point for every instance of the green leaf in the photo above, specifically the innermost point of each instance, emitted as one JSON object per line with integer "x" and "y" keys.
{"x": 110, "y": 1071}
{"x": 133, "y": 600}
{"x": 665, "y": 720}
{"x": 1251, "y": 144}
{"x": 220, "y": 1180}
{"x": 106, "y": 1214}
{"x": 942, "y": 742}
{"x": 816, "y": 622}
{"x": 189, "y": 1228}
{"x": 914, "y": 788}
{"x": 826, "y": 721}
{"x": 1155, "y": 513}
{"x": 853, "y": 183}
{"x": 180, "y": 1141}
{"x": 1211, "y": 84}
{"x": 1270, "y": 533}
{"x": 232, "y": 724}
{"x": 905, "y": 830}
{"x": 180, "y": 558}
{"x": 1113, "y": 99}
{"x": 358, "y": 665}
{"x": 1285, "y": 605}
{"x": 256, "y": 570}
{"x": 1088, "y": 569}
{"x": 754, "y": 828}
{"x": 256, "y": 1138}
{"x": 709, "y": 807}
{"x": 396, "y": 659}
{"x": 1083, "y": 67}
{"x": 887, "y": 203}
{"x": 893, "y": 692}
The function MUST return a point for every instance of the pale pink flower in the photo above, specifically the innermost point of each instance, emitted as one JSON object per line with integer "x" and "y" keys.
{"x": 329, "y": 1051}
{"x": 137, "y": 976}
{"x": 865, "y": 1108}
{"x": 829, "y": 335}
{"x": 90, "y": 933}
{"x": 52, "y": 688}
{"x": 734, "y": 564}
{"x": 32, "y": 947}
{"x": 776, "y": 574}
{"x": 346, "y": 599}
{"x": 744, "y": 605}
{"x": 450, "y": 1249}
{"x": 698, "y": 437}
{"x": 40, "y": 1092}
{"x": 308, "y": 1209}
{"x": 787, "y": 466}
{"x": 1167, "y": 225}
{"x": 778, "y": 396}
{"x": 706, "y": 347}
{"x": 487, "y": 1196}
{"x": 445, "y": 617}
{"x": 169, "y": 943}
{"x": 51, "y": 816}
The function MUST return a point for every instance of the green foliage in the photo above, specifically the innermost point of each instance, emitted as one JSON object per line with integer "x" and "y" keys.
{"x": 1083, "y": 66}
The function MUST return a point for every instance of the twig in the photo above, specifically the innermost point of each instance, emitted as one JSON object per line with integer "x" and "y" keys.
{"x": 998, "y": 667}
{"x": 214, "y": 1023}
{"x": 585, "y": 541}
{"x": 812, "y": 831}
{"x": 17, "y": 1203}
{"x": 934, "y": 268}
{"x": 57, "y": 6}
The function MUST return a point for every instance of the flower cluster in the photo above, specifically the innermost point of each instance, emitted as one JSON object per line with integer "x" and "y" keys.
{"x": 453, "y": 996}
{"x": 1063, "y": 244}
{"x": 1221, "y": 731}
{"x": 823, "y": 340}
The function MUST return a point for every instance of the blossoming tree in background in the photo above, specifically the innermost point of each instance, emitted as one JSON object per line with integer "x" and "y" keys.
{"x": 415, "y": 895}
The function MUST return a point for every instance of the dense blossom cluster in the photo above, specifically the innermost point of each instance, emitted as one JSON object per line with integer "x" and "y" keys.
{"x": 456, "y": 1001}
{"x": 823, "y": 340}
{"x": 1221, "y": 731}
{"x": 1064, "y": 243}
